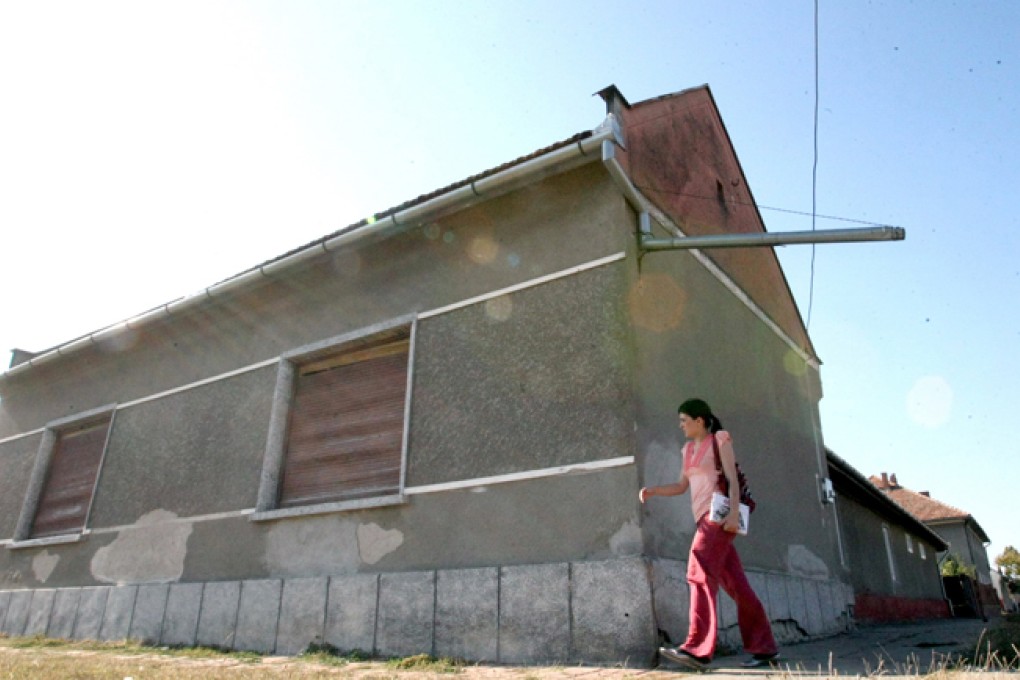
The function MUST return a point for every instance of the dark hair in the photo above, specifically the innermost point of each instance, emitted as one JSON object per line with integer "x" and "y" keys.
{"x": 698, "y": 408}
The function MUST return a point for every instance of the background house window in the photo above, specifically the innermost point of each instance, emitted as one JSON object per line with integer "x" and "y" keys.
{"x": 924, "y": 554}
{"x": 889, "y": 553}
{"x": 345, "y": 433}
{"x": 910, "y": 544}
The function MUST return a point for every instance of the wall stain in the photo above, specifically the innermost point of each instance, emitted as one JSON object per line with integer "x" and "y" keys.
{"x": 312, "y": 546}
{"x": 802, "y": 562}
{"x": 43, "y": 565}
{"x": 375, "y": 543}
{"x": 151, "y": 551}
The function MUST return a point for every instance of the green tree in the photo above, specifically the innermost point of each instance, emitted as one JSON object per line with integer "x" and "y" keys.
{"x": 1009, "y": 563}
{"x": 953, "y": 565}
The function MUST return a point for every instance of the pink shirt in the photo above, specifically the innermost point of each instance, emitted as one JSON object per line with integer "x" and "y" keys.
{"x": 699, "y": 466}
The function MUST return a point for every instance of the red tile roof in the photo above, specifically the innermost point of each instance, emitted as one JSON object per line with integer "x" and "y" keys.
{"x": 923, "y": 506}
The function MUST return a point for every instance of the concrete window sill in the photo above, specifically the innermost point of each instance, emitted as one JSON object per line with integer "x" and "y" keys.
{"x": 327, "y": 508}
{"x": 42, "y": 542}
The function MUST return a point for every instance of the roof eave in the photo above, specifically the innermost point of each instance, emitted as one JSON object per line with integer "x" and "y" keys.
{"x": 583, "y": 148}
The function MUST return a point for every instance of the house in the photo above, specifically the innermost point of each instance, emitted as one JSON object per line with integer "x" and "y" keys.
{"x": 889, "y": 556}
{"x": 426, "y": 432}
{"x": 965, "y": 538}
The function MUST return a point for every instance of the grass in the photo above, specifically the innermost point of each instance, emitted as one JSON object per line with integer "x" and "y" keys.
{"x": 429, "y": 664}
{"x": 999, "y": 648}
{"x": 996, "y": 654}
{"x": 48, "y": 659}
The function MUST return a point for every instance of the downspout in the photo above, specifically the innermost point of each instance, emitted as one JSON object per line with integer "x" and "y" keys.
{"x": 491, "y": 186}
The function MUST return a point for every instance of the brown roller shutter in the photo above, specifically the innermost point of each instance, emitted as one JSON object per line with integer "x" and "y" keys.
{"x": 70, "y": 480}
{"x": 346, "y": 429}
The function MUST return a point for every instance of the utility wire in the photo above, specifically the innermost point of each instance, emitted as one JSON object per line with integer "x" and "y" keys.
{"x": 733, "y": 201}
{"x": 814, "y": 181}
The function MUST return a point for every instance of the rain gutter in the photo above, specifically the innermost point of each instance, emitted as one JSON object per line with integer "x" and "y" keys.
{"x": 486, "y": 187}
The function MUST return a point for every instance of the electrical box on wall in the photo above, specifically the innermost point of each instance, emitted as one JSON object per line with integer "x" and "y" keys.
{"x": 828, "y": 494}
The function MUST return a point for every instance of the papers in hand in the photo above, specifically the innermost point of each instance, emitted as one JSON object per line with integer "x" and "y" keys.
{"x": 720, "y": 510}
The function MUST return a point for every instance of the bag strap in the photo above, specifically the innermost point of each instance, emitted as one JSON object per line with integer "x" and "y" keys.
{"x": 721, "y": 482}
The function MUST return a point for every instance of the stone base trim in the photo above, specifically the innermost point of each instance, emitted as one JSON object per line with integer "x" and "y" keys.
{"x": 578, "y": 612}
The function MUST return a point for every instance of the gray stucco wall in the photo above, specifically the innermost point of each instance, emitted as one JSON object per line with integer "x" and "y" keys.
{"x": 695, "y": 338}
{"x": 559, "y": 223}
{"x": 868, "y": 563}
{"x": 965, "y": 543}
{"x": 16, "y": 460}
{"x": 534, "y": 379}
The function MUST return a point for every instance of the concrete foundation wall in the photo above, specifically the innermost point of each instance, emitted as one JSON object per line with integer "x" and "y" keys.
{"x": 593, "y": 612}
{"x": 798, "y": 608}
{"x": 581, "y": 612}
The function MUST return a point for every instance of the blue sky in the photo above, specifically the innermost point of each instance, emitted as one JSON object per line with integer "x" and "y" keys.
{"x": 148, "y": 150}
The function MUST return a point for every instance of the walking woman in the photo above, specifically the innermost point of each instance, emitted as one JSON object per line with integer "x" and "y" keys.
{"x": 713, "y": 560}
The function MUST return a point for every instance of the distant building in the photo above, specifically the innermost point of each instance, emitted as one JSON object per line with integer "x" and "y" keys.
{"x": 890, "y": 556}
{"x": 965, "y": 538}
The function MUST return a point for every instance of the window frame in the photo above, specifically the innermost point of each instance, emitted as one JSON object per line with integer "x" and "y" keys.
{"x": 889, "y": 553}
{"x": 274, "y": 460}
{"x": 48, "y": 449}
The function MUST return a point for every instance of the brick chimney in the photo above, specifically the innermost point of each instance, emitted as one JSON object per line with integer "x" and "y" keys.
{"x": 885, "y": 480}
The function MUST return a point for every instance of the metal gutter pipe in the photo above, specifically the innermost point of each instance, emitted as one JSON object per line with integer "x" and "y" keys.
{"x": 650, "y": 244}
{"x": 554, "y": 162}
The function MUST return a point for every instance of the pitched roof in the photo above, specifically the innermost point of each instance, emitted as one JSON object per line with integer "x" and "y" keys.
{"x": 22, "y": 360}
{"x": 923, "y": 506}
{"x": 850, "y": 482}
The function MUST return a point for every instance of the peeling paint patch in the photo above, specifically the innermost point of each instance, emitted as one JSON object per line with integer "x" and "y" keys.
{"x": 375, "y": 543}
{"x": 151, "y": 551}
{"x": 43, "y": 565}
{"x": 802, "y": 562}
{"x": 312, "y": 545}
{"x": 626, "y": 541}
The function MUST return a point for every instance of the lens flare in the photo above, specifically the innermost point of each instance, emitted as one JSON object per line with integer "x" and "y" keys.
{"x": 930, "y": 401}
{"x": 794, "y": 364}
{"x": 482, "y": 249}
{"x": 499, "y": 308}
{"x": 657, "y": 303}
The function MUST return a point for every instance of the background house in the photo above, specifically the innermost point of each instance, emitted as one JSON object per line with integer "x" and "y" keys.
{"x": 965, "y": 538}
{"x": 426, "y": 432}
{"x": 890, "y": 557}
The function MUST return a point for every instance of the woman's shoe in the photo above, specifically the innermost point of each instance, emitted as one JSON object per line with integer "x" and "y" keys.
{"x": 685, "y": 658}
{"x": 759, "y": 660}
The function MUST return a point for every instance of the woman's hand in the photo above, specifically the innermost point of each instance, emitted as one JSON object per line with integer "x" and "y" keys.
{"x": 732, "y": 523}
{"x": 644, "y": 493}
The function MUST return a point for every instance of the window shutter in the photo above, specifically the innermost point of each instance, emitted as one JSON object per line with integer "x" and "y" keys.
{"x": 70, "y": 480}
{"x": 346, "y": 429}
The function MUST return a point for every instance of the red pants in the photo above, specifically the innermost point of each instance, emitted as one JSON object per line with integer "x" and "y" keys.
{"x": 714, "y": 562}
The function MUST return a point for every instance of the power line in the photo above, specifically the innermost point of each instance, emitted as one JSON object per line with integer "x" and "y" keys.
{"x": 773, "y": 208}
{"x": 814, "y": 182}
